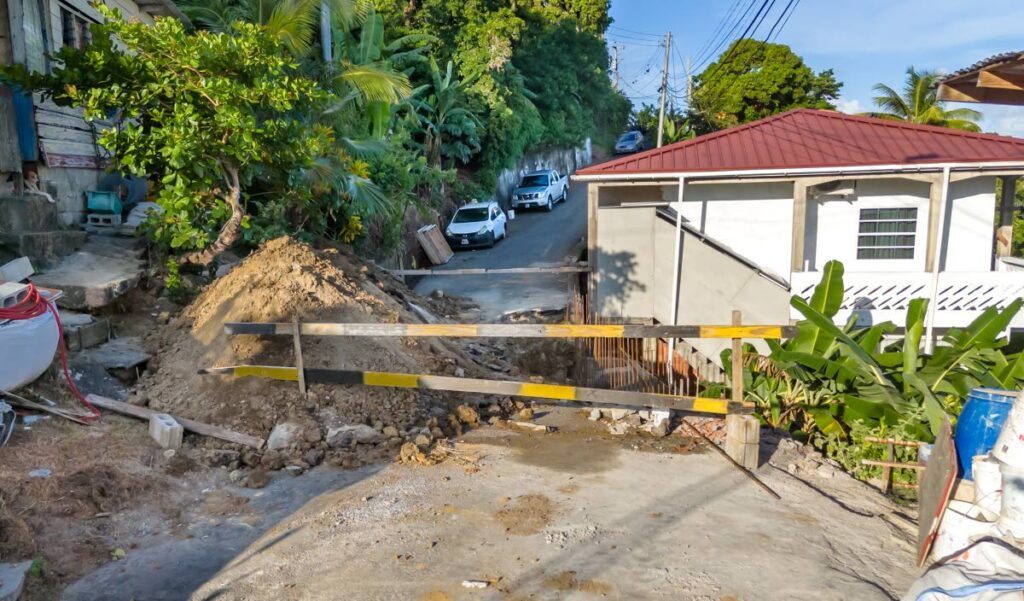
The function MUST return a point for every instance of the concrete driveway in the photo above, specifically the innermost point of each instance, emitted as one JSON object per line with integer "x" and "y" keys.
{"x": 536, "y": 237}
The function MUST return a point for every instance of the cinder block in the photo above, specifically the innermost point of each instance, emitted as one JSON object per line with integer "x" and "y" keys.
{"x": 166, "y": 431}
{"x": 742, "y": 439}
{"x": 16, "y": 270}
{"x": 87, "y": 336}
{"x": 11, "y": 294}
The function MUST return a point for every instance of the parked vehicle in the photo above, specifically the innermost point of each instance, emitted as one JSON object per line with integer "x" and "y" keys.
{"x": 477, "y": 224}
{"x": 541, "y": 189}
{"x": 631, "y": 141}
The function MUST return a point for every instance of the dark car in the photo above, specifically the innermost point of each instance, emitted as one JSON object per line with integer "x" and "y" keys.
{"x": 631, "y": 141}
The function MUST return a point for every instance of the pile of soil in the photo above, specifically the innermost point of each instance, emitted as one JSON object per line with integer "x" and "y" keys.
{"x": 286, "y": 279}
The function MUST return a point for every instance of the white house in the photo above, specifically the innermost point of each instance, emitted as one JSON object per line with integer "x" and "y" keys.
{"x": 742, "y": 218}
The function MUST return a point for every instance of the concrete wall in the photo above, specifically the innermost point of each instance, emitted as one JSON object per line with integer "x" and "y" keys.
{"x": 565, "y": 160}
{"x": 970, "y": 225}
{"x": 633, "y": 276}
{"x": 68, "y": 187}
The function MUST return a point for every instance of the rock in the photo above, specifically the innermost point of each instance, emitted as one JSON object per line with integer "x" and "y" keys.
{"x": 313, "y": 435}
{"x": 346, "y": 435}
{"x": 436, "y": 433}
{"x": 390, "y": 431}
{"x": 294, "y": 470}
{"x": 460, "y": 372}
{"x": 660, "y": 430}
{"x": 617, "y": 414}
{"x": 422, "y": 441}
{"x": 283, "y": 436}
{"x": 618, "y": 428}
{"x": 257, "y": 479}
{"x": 633, "y": 420}
{"x": 221, "y": 457}
{"x": 525, "y": 414}
{"x": 313, "y": 456}
{"x": 272, "y": 461}
{"x": 595, "y": 415}
{"x": 495, "y": 420}
{"x": 661, "y": 416}
{"x": 12, "y": 579}
{"x": 467, "y": 415}
{"x": 236, "y": 476}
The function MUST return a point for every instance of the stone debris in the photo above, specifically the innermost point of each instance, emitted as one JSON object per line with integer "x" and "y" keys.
{"x": 283, "y": 436}
{"x": 475, "y": 583}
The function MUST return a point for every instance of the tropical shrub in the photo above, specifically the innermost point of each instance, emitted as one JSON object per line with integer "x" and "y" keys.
{"x": 828, "y": 382}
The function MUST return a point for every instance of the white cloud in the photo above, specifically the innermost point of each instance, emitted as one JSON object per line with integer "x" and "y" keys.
{"x": 1006, "y": 120}
{"x": 850, "y": 106}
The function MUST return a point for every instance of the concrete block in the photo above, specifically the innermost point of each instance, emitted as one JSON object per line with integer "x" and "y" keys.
{"x": 12, "y": 579}
{"x": 166, "y": 431}
{"x": 91, "y": 281}
{"x": 12, "y": 293}
{"x": 16, "y": 270}
{"x": 742, "y": 439}
{"x": 88, "y": 335}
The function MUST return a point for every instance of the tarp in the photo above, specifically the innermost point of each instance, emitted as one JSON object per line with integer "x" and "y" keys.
{"x": 27, "y": 347}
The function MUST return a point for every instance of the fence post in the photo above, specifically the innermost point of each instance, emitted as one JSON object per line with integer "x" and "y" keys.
{"x": 742, "y": 432}
{"x": 890, "y": 456}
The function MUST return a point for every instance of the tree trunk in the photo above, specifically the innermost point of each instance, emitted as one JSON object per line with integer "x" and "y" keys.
{"x": 231, "y": 231}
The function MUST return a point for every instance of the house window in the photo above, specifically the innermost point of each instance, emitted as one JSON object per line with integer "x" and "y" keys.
{"x": 74, "y": 28}
{"x": 887, "y": 233}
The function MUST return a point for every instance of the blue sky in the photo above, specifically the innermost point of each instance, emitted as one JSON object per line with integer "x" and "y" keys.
{"x": 863, "y": 41}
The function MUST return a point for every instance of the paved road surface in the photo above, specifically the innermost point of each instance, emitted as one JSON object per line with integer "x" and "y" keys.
{"x": 535, "y": 237}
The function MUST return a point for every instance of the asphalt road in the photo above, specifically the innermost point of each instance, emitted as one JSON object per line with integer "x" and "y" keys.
{"x": 536, "y": 237}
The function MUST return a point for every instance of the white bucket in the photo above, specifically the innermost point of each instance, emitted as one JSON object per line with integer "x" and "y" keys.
{"x": 511, "y": 214}
{"x": 1009, "y": 447}
{"x": 988, "y": 483}
{"x": 1011, "y": 513}
{"x": 962, "y": 524}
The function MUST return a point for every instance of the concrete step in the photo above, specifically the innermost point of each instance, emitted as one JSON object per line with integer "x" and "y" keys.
{"x": 110, "y": 246}
{"x": 83, "y": 331}
{"x": 43, "y": 248}
{"x": 27, "y": 213}
{"x": 90, "y": 280}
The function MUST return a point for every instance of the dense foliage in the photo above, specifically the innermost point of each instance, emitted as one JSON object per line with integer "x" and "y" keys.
{"x": 753, "y": 80}
{"x": 919, "y": 102}
{"x": 834, "y": 386}
{"x": 535, "y": 71}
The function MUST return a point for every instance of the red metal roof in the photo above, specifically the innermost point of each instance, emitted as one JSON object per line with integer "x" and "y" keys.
{"x": 809, "y": 138}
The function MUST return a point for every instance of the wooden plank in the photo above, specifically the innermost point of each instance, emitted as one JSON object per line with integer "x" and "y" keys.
{"x": 60, "y": 134}
{"x": 892, "y": 464}
{"x": 10, "y": 151}
{"x": 60, "y": 119}
{"x": 190, "y": 425}
{"x": 299, "y": 364}
{"x": 583, "y": 268}
{"x": 556, "y": 392}
{"x": 593, "y": 198}
{"x": 934, "y": 207}
{"x": 737, "y": 359}
{"x": 935, "y": 488}
{"x": 1004, "y": 230}
{"x": 495, "y": 330}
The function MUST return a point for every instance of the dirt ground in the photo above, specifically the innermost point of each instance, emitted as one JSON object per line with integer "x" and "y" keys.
{"x": 575, "y": 514}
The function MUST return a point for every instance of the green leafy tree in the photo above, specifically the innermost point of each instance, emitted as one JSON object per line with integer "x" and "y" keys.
{"x": 753, "y": 80}
{"x": 919, "y": 103}
{"x": 449, "y": 127}
{"x": 206, "y": 117}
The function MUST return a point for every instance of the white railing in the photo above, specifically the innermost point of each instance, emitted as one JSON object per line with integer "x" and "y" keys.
{"x": 877, "y": 297}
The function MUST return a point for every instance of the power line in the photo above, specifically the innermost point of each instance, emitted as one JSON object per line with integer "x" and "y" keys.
{"x": 752, "y": 26}
{"x": 702, "y": 60}
{"x": 635, "y": 32}
{"x": 786, "y": 22}
{"x": 720, "y": 29}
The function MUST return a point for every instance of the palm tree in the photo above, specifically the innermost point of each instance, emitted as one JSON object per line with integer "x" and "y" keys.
{"x": 449, "y": 127}
{"x": 919, "y": 103}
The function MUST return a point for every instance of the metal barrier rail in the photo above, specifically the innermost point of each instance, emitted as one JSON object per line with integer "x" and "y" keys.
{"x": 556, "y": 392}
{"x": 511, "y": 330}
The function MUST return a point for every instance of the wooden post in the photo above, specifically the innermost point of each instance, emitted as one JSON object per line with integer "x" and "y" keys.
{"x": 1004, "y": 233}
{"x": 934, "y": 208}
{"x": 297, "y": 339}
{"x": 593, "y": 198}
{"x": 742, "y": 432}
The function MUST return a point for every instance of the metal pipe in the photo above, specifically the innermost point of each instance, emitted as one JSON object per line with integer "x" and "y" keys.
{"x": 929, "y": 343}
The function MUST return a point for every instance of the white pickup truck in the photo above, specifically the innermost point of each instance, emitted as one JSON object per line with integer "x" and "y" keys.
{"x": 541, "y": 189}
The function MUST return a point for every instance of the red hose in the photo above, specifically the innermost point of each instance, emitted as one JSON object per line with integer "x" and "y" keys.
{"x": 34, "y": 305}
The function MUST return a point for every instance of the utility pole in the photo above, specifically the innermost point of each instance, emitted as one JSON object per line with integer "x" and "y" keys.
{"x": 664, "y": 89}
{"x": 615, "y": 65}
{"x": 689, "y": 81}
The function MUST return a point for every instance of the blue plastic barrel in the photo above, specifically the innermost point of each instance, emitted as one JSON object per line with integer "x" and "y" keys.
{"x": 979, "y": 425}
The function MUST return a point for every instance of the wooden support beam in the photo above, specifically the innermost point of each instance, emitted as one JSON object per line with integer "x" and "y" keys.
{"x": 1001, "y": 81}
{"x": 191, "y": 426}
{"x": 579, "y": 268}
{"x": 1004, "y": 231}
{"x": 556, "y": 392}
{"x": 512, "y": 330}
{"x": 934, "y": 208}
{"x": 593, "y": 198}
{"x": 960, "y": 92}
{"x": 799, "y": 225}
{"x": 299, "y": 364}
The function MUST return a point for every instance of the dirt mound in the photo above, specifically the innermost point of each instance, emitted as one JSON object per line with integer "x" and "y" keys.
{"x": 283, "y": 280}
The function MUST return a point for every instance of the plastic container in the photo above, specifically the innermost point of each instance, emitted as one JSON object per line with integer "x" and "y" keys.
{"x": 1009, "y": 447}
{"x": 1011, "y": 513}
{"x": 988, "y": 483}
{"x": 962, "y": 524}
{"x": 27, "y": 347}
{"x": 101, "y": 201}
{"x": 979, "y": 425}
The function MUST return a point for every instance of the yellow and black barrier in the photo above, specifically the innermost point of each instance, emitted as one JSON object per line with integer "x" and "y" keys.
{"x": 554, "y": 392}
{"x": 495, "y": 330}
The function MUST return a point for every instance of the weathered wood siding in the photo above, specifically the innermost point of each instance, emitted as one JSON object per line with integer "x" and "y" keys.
{"x": 10, "y": 153}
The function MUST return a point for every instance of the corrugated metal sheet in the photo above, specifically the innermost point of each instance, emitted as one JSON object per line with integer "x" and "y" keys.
{"x": 998, "y": 59}
{"x": 808, "y": 138}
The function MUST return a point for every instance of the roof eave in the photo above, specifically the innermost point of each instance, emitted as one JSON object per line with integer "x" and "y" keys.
{"x": 789, "y": 173}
